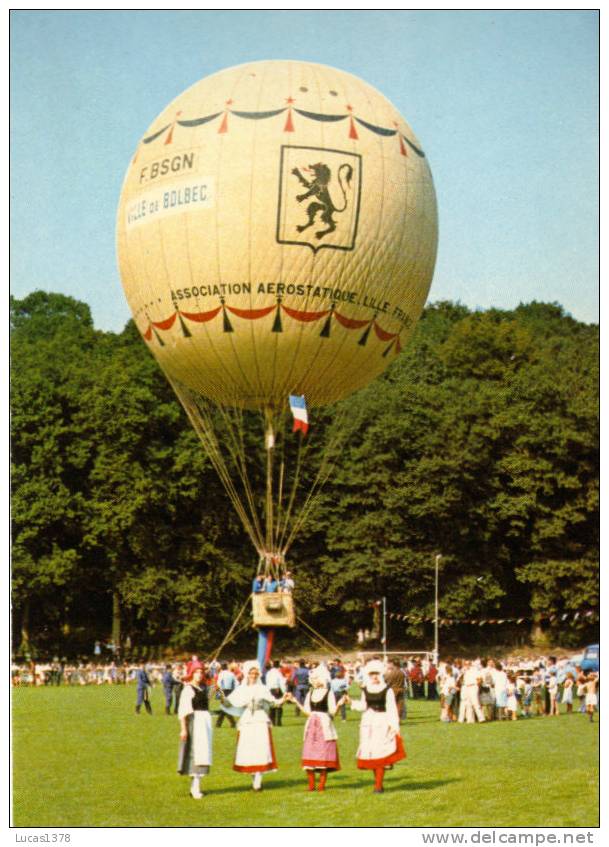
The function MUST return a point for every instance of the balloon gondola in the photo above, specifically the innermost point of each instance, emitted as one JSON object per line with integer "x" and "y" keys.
{"x": 276, "y": 236}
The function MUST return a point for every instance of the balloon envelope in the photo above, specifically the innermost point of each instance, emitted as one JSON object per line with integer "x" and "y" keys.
{"x": 277, "y": 234}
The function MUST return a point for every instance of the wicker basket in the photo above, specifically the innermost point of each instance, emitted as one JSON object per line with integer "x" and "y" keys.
{"x": 273, "y": 609}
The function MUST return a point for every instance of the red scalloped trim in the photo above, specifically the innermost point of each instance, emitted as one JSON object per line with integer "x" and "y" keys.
{"x": 251, "y": 314}
{"x": 304, "y": 316}
{"x": 295, "y": 314}
{"x": 166, "y": 324}
{"x": 350, "y": 323}
{"x": 382, "y": 334}
{"x": 201, "y": 317}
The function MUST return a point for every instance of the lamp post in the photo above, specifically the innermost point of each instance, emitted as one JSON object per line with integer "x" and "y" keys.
{"x": 435, "y": 648}
{"x": 385, "y": 628}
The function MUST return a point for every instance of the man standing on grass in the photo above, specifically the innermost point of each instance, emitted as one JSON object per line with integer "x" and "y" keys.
{"x": 431, "y": 676}
{"x": 537, "y": 683}
{"x": 143, "y": 687}
{"x": 417, "y": 679}
{"x": 300, "y": 679}
{"x": 275, "y": 682}
{"x": 227, "y": 682}
{"x": 470, "y": 698}
{"x": 169, "y": 682}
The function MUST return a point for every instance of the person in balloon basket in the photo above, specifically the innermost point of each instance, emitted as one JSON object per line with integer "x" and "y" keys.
{"x": 320, "y": 746}
{"x": 143, "y": 686}
{"x": 258, "y": 584}
{"x": 380, "y": 742}
{"x": 255, "y": 753}
{"x": 286, "y": 583}
{"x": 195, "y": 756}
{"x": 271, "y": 585}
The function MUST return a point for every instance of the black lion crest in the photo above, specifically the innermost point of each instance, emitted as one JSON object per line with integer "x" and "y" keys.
{"x": 317, "y": 187}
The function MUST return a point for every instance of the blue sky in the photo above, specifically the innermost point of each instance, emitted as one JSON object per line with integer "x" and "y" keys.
{"x": 505, "y": 105}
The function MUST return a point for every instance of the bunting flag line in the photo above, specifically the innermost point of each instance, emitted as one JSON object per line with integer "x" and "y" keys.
{"x": 590, "y": 614}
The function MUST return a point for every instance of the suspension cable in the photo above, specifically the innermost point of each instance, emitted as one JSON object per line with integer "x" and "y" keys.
{"x": 228, "y": 635}
{"x": 320, "y": 637}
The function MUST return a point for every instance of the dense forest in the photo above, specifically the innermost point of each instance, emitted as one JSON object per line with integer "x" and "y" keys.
{"x": 480, "y": 443}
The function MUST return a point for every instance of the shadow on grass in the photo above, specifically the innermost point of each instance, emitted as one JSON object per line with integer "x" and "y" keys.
{"x": 422, "y": 785}
{"x": 404, "y": 784}
{"x": 336, "y": 784}
{"x": 246, "y": 788}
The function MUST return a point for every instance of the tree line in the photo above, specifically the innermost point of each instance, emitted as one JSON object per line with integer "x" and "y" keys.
{"x": 480, "y": 443}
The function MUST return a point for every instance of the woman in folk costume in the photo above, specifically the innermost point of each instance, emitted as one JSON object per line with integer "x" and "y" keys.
{"x": 380, "y": 743}
{"x": 195, "y": 729}
{"x": 320, "y": 750}
{"x": 255, "y": 753}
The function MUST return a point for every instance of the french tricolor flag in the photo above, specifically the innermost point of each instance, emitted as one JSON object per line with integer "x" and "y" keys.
{"x": 299, "y": 410}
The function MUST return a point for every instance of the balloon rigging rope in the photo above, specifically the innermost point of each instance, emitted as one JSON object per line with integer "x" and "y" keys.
{"x": 288, "y": 513}
{"x": 234, "y": 428}
{"x": 206, "y": 433}
{"x": 327, "y": 464}
{"x": 231, "y": 634}
{"x": 269, "y": 480}
{"x": 282, "y": 522}
{"x": 204, "y": 427}
{"x": 320, "y": 639}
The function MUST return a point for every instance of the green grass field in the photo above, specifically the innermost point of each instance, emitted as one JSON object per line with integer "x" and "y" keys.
{"x": 82, "y": 757}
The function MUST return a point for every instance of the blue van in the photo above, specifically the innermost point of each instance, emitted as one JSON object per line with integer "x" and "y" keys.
{"x": 591, "y": 660}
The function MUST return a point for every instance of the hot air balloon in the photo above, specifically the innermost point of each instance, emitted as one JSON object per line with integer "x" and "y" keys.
{"x": 276, "y": 236}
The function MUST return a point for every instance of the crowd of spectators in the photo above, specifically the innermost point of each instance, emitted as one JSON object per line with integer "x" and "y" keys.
{"x": 467, "y": 690}
{"x": 486, "y": 689}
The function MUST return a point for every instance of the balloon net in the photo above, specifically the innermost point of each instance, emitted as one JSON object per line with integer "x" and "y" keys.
{"x": 273, "y": 476}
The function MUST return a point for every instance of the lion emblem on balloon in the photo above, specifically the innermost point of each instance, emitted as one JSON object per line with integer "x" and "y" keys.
{"x": 322, "y": 207}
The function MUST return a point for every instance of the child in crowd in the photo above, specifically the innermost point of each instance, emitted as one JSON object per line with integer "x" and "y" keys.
{"x": 591, "y": 696}
{"x": 448, "y": 689}
{"x": 512, "y": 698}
{"x": 553, "y": 692}
{"x": 567, "y": 692}
{"x": 581, "y": 689}
{"x": 527, "y": 697}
